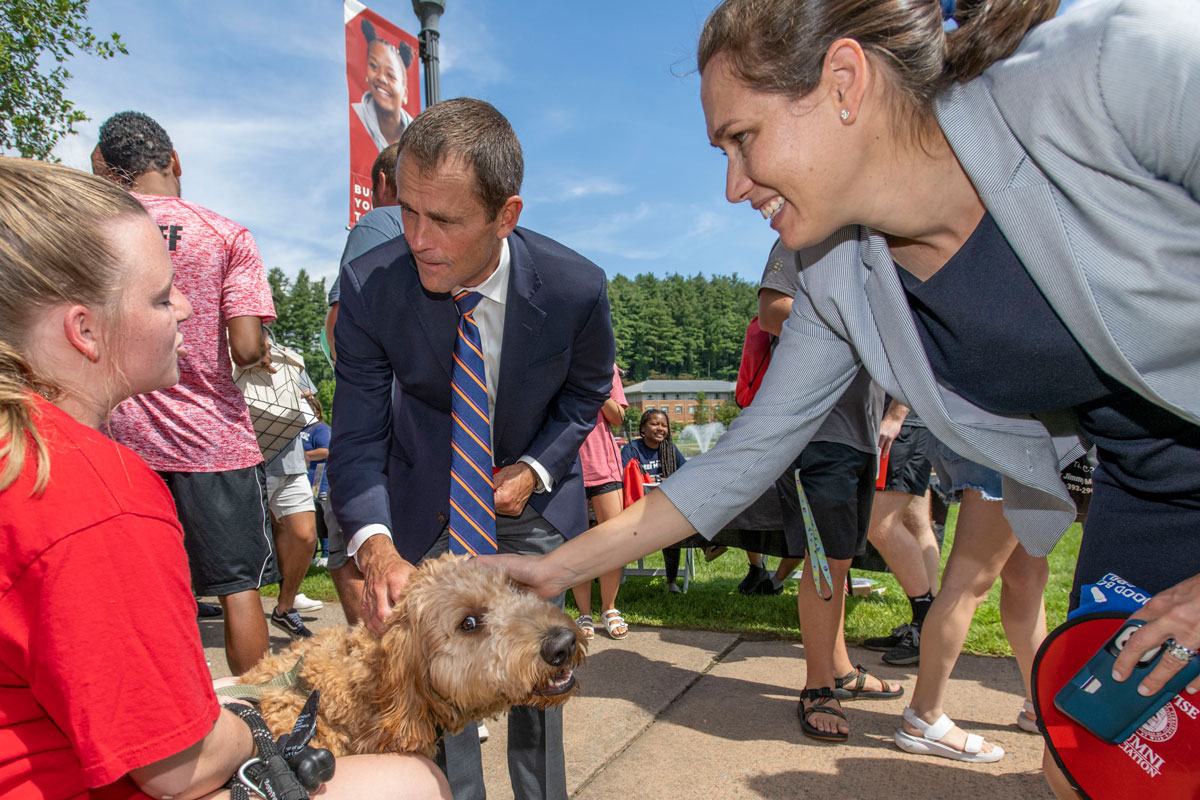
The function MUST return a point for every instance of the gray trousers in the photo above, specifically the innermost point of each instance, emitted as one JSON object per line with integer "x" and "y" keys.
{"x": 536, "y": 765}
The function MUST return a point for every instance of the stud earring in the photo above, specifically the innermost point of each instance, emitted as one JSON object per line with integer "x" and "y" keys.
{"x": 845, "y": 114}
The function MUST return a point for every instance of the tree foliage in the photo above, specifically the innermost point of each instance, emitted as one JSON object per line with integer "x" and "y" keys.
{"x": 35, "y": 34}
{"x": 671, "y": 328}
{"x": 727, "y": 412}
{"x": 300, "y": 311}
{"x": 679, "y": 327}
{"x": 700, "y": 415}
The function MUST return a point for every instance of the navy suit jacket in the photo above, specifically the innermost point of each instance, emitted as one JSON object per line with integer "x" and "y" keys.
{"x": 390, "y": 455}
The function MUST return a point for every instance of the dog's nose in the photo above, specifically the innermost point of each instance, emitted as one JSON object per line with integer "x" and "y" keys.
{"x": 558, "y": 646}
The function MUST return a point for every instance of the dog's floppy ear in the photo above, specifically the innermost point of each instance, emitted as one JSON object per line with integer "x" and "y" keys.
{"x": 405, "y": 722}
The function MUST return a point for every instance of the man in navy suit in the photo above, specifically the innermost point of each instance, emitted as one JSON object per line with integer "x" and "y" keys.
{"x": 547, "y": 350}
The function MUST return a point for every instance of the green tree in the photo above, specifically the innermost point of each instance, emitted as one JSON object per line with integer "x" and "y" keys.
{"x": 300, "y": 312}
{"x": 633, "y": 417}
{"x": 700, "y": 416}
{"x": 727, "y": 412}
{"x": 34, "y": 115}
{"x": 674, "y": 326}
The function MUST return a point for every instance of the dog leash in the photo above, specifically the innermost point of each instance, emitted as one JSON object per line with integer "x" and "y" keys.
{"x": 287, "y": 769}
{"x": 254, "y": 691}
{"x": 816, "y": 550}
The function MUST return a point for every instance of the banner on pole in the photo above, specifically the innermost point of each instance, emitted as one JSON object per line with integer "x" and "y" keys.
{"x": 383, "y": 77}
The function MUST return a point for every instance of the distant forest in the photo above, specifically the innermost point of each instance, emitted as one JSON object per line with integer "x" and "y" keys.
{"x": 672, "y": 327}
{"x": 677, "y": 327}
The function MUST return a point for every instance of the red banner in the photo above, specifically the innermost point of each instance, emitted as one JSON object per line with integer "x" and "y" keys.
{"x": 384, "y": 82}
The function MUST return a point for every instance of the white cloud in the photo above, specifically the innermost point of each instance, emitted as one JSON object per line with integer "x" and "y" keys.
{"x": 592, "y": 186}
{"x": 556, "y": 121}
{"x": 563, "y": 188}
{"x": 671, "y": 236}
{"x": 468, "y": 51}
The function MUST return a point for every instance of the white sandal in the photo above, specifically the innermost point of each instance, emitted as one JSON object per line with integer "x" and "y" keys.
{"x": 612, "y": 620}
{"x": 584, "y": 621}
{"x": 1027, "y": 718}
{"x": 929, "y": 743}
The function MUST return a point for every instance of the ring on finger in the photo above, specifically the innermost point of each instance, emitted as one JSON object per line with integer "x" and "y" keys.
{"x": 1179, "y": 651}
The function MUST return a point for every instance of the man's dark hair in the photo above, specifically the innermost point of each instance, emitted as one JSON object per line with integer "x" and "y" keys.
{"x": 133, "y": 144}
{"x": 385, "y": 165}
{"x": 478, "y": 134}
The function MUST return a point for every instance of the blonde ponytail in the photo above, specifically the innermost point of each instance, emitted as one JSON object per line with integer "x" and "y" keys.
{"x": 16, "y": 421}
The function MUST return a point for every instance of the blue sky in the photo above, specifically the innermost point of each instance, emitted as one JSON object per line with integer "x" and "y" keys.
{"x": 603, "y": 97}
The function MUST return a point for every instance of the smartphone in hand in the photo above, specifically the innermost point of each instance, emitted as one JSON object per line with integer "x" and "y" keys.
{"x": 1111, "y": 709}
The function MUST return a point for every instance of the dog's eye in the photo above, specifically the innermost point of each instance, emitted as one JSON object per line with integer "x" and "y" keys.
{"x": 468, "y": 624}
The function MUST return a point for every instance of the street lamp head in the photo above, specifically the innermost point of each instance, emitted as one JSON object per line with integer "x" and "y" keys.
{"x": 429, "y": 12}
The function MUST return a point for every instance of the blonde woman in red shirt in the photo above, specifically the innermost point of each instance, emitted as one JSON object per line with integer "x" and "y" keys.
{"x": 114, "y": 699}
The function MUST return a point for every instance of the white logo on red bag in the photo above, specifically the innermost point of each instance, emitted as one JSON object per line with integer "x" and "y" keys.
{"x": 1161, "y": 726}
{"x": 1143, "y": 755}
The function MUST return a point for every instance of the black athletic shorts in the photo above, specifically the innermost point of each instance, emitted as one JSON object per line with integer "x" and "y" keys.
{"x": 603, "y": 488}
{"x": 908, "y": 464}
{"x": 839, "y": 482}
{"x": 226, "y": 529}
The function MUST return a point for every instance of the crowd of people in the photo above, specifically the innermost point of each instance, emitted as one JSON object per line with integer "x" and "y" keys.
{"x": 950, "y": 291}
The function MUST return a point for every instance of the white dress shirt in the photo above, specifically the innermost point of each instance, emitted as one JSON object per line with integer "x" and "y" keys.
{"x": 489, "y": 317}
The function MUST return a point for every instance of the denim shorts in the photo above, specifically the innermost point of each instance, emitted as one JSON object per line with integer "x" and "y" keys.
{"x": 956, "y": 473}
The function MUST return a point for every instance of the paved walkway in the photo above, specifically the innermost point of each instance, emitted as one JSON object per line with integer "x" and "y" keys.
{"x": 679, "y": 713}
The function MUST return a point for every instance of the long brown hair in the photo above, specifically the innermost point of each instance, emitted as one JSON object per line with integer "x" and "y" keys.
{"x": 53, "y": 249}
{"x": 779, "y": 46}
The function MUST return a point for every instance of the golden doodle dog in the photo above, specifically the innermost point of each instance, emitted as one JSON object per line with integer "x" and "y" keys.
{"x": 463, "y": 644}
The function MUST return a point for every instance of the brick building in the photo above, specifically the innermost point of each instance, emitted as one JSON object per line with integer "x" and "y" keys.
{"x": 678, "y": 398}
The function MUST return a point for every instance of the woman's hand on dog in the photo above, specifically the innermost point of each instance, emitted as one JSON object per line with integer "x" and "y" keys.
{"x": 385, "y": 574}
{"x": 529, "y": 572}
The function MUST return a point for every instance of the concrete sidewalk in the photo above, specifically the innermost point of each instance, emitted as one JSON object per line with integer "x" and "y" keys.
{"x": 680, "y": 713}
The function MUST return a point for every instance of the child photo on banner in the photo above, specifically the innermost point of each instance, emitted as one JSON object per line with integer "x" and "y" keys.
{"x": 384, "y": 85}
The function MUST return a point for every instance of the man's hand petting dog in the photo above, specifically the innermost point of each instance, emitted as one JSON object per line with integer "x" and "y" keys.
{"x": 385, "y": 575}
{"x": 514, "y": 484}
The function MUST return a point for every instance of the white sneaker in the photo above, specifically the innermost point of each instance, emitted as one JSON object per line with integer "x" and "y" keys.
{"x": 321, "y": 561}
{"x": 483, "y": 732}
{"x": 304, "y": 604}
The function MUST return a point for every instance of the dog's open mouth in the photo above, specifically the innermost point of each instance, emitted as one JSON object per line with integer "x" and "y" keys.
{"x": 562, "y": 682}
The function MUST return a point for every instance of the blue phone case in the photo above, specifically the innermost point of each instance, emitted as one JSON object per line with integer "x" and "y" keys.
{"x": 1113, "y": 710}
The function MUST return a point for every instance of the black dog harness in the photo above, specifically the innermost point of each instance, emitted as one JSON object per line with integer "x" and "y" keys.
{"x": 287, "y": 768}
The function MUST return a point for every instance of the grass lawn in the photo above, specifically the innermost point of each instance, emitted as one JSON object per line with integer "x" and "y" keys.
{"x": 713, "y": 601}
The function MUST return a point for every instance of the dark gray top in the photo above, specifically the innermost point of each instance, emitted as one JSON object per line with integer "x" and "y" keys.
{"x": 854, "y": 420}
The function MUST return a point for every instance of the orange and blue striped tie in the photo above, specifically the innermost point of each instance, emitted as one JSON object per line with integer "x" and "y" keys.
{"x": 472, "y": 506}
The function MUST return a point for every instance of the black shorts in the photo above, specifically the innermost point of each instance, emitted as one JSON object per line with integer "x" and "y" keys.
{"x": 1149, "y": 541}
{"x": 839, "y": 483}
{"x": 908, "y": 464}
{"x": 226, "y": 530}
{"x": 603, "y": 488}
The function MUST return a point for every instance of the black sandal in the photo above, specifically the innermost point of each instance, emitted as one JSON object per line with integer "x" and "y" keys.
{"x": 857, "y": 679}
{"x": 820, "y": 705}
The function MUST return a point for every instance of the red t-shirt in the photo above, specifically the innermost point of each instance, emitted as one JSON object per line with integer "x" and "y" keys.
{"x": 101, "y": 666}
{"x": 201, "y": 424}
{"x": 598, "y": 455}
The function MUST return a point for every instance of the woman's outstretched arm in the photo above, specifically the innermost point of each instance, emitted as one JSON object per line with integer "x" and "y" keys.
{"x": 645, "y": 527}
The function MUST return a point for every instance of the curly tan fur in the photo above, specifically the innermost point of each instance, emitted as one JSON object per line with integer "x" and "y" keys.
{"x": 427, "y": 673}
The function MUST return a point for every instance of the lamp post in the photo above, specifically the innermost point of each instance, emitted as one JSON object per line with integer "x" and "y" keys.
{"x": 430, "y": 12}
